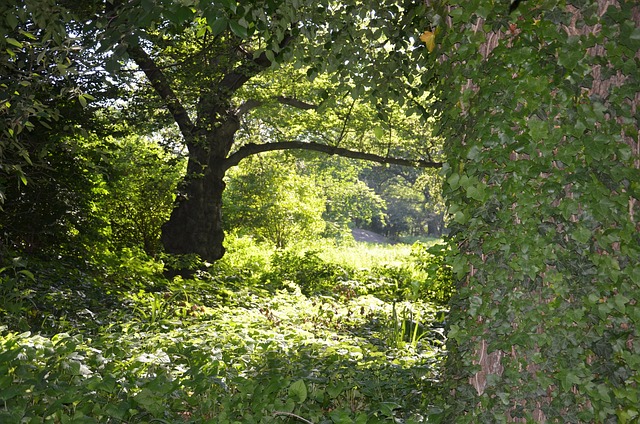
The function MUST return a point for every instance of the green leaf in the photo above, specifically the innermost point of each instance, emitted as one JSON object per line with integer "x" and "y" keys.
{"x": 341, "y": 416}
{"x": 581, "y": 235}
{"x": 238, "y": 29}
{"x": 454, "y": 181}
{"x": 460, "y": 217}
{"x": 270, "y": 56}
{"x": 334, "y": 389}
{"x": 14, "y": 42}
{"x": 568, "y": 379}
{"x": 150, "y": 401}
{"x": 473, "y": 153}
{"x": 620, "y": 301}
{"x": 218, "y": 26}
{"x": 28, "y": 35}
{"x": 298, "y": 391}
{"x": 27, "y": 274}
{"x": 11, "y": 20}
{"x": 231, "y": 5}
{"x": 538, "y": 130}
{"x": 182, "y": 14}
{"x": 476, "y": 192}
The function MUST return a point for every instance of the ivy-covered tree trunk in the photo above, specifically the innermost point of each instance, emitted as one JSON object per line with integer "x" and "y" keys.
{"x": 540, "y": 110}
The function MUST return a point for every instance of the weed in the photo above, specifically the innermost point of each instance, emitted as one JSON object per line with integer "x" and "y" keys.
{"x": 405, "y": 328}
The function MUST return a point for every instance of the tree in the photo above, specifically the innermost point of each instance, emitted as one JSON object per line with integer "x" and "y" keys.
{"x": 413, "y": 198}
{"x": 350, "y": 202}
{"x": 33, "y": 67}
{"x": 268, "y": 198}
{"x": 197, "y": 56}
{"x": 539, "y": 111}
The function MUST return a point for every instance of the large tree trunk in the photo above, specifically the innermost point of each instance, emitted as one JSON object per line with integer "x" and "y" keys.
{"x": 195, "y": 225}
{"x": 542, "y": 182}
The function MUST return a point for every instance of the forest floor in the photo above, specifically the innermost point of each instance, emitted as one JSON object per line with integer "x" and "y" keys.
{"x": 299, "y": 339}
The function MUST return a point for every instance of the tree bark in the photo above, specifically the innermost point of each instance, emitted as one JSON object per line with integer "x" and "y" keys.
{"x": 544, "y": 327}
{"x": 196, "y": 225}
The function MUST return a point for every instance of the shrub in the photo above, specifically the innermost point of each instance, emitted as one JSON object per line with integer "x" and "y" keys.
{"x": 307, "y": 270}
{"x": 439, "y": 286}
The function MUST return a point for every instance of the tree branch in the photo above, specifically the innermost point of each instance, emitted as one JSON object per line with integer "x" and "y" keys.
{"x": 345, "y": 123}
{"x": 296, "y": 103}
{"x": 248, "y": 106}
{"x": 162, "y": 87}
{"x": 252, "y": 149}
{"x": 243, "y": 73}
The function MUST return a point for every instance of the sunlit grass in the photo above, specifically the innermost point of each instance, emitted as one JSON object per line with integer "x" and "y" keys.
{"x": 366, "y": 255}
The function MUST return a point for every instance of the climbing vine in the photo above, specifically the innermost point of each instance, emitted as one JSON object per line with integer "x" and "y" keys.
{"x": 539, "y": 109}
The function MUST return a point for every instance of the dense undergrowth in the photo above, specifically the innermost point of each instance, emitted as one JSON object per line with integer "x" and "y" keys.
{"x": 320, "y": 335}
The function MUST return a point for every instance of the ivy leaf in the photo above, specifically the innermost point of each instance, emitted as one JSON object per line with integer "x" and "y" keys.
{"x": 581, "y": 234}
{"x": 429, "y": 38}
{"x": 620, "y": 300}
{"x": 298, "y": 391}
{"x": 473, "y": 153}
{"x": 568, "y": 379}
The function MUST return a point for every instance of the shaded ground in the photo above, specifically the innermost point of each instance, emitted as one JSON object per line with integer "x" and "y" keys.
{"x": 370, "y": 237}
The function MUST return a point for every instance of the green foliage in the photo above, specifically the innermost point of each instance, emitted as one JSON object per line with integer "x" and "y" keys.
{"x": 33, "y": 39}
{"x": 541, "y": 137}
{"x": 421, "y": 277}
{"x": 439, "y": 286}
{"x": 268, "y": 198}
{"x": 307, "y": 271}
{"x": 350, "y": 202}
{"x": 136, "y": 192}
{"x": 55, "y": 211}
{"x": 413, "y": 200}
{"x": 87, "y": 193}
{"x": 405, "y": 328}
{"x": 212, "y": 349}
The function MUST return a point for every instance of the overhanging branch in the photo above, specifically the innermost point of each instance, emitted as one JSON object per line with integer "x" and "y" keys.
{"x": 162, "y": 87}
{"x": 299, "y": 104}
{"x": 252, "y": 149}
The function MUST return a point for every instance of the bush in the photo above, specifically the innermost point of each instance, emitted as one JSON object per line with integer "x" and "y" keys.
{"x": 438, "y": 287}
{"x": 307, "y": 270}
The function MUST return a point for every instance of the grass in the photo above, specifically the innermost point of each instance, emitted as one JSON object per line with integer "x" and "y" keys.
{"x": 249, "y": 341}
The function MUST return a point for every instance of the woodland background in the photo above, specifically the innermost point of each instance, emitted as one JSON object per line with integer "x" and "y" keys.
{"x": 179, "y": 182}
